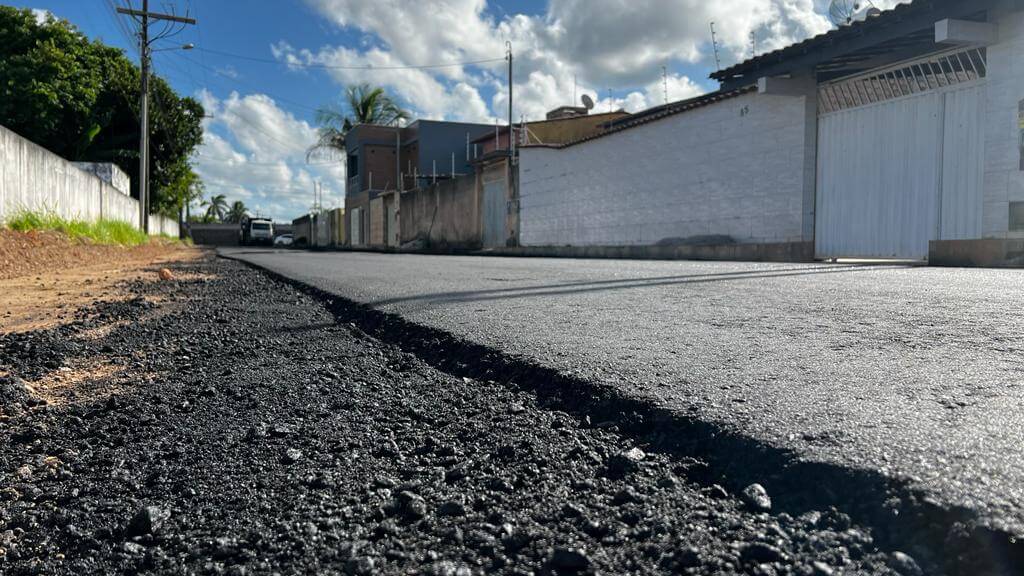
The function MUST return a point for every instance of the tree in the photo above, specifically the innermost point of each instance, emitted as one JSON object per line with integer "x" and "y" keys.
{"x": 363, "y": 105}
{"x": 237, "y": 212}
{"x": 216, "y": 208}
{"x": 80, "y": 99}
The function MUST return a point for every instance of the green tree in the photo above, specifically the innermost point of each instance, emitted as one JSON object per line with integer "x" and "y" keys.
{"x": 237, "y": 212}
{"x": 79, "y": 99}
{"x": 185, "y": 188}
{"x": 216, "y": 208}
{"x": 363, "y": 104}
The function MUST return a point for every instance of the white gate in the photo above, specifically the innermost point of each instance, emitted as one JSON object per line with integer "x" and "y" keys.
{"x": 900, "y": 159}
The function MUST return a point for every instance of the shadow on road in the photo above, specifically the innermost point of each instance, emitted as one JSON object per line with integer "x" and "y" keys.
{"x": 623, "y": 284}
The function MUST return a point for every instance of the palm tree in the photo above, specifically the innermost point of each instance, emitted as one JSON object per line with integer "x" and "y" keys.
{"x": 363, "y": 105}
{"x": 237, "y": 212}
{"x": 216, "y": 208}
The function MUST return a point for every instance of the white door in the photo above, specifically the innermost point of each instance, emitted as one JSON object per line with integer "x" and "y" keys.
{"x": 900, "y": 158}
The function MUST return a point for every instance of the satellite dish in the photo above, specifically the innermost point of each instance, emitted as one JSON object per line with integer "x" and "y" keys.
{"x": 843, "y": 12}
{"x": 588, "y": 102}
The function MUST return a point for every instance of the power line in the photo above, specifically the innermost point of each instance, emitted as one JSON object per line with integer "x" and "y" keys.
{"x": 337, "y": 67}
{"x": 228, "y": 77}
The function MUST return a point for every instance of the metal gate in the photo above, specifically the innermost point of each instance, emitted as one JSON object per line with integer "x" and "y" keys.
{"x": 494, "y": 214}
{"x": 393, "y": 231}
{"x": 356, "y": 224}
{"x": 900, "y": 158}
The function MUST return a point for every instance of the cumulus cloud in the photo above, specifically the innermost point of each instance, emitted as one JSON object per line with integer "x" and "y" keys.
{"x": 599, "y": 44}
{"x": 256, "y": 152}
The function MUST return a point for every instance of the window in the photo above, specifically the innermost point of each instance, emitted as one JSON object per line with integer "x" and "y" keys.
{"x": 260, "y": 226}
{"x": 353, "y": 165}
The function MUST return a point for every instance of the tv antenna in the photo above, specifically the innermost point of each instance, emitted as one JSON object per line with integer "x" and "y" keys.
{"x": 588, "y": 102}
{"x": 714, "y": 44}
{"x": 664, "y": 82}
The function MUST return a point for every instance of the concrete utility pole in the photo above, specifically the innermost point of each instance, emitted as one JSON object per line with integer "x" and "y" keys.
{"x": 144, "y": 52}
{"x": 508, "y": 45}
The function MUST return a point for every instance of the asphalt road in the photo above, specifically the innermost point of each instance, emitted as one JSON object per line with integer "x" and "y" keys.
{"x": 913, "y": 372}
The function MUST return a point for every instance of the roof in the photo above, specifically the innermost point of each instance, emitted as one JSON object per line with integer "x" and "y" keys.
{"x": 656, "y": 113}
{"x": 908, "y": 26}
{"x": 502, "y": 129}
{"x": 855, "y": 28}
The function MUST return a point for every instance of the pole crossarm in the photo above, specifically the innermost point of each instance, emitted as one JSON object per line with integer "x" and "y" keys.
{"x": 156, "y": 15}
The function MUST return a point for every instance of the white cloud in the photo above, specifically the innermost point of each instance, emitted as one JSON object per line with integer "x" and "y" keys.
{"x": 256, "y": 152}
{"x": 620, "y": 44}
{"x": 41, "y": 15}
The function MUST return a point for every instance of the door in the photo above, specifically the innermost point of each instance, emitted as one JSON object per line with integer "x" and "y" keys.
{"x": 356, "y": 221}
{"x": 393, "y": 231}
{"x": 495, "y": 210}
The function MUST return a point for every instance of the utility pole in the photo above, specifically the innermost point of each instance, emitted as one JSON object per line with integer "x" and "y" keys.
{"x": 144, "y": 53}
{"x": 508, "y": 46}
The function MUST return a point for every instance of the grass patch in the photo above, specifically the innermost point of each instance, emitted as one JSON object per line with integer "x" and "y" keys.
{"x": 99, "y": 232}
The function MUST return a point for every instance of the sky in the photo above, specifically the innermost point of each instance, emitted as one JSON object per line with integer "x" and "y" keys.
{"x": 262, "y": 68}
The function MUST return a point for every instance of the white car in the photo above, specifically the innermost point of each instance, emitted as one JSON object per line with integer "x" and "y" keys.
{"x": 284, "y": 240}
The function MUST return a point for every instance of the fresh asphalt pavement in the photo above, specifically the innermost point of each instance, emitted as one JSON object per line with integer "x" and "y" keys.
{"x": 912, "y": 372}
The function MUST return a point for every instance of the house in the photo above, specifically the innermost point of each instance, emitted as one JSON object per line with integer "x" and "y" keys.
{"x": 894, "y": 137}
{"x": 383, "y": 160}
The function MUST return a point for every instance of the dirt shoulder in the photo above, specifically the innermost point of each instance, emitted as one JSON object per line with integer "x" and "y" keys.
{"x": 45, "y": 277}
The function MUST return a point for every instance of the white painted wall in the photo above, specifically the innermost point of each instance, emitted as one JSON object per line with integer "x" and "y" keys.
{"x": 33, "y": 178}
{"x": 1004, "y": 179}
{"x": 738, "y": 168}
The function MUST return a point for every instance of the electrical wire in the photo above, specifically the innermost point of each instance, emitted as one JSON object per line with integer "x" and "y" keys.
{"x": 229, "y": 78}
{"x": 337, "y": 67}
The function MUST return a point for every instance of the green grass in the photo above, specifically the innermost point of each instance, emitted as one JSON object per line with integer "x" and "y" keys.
{"x": 99, "y": 232}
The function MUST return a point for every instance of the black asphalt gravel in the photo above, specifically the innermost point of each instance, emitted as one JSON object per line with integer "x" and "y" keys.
{"x": 235, "y": 424}
{"x": 908, "y": 378}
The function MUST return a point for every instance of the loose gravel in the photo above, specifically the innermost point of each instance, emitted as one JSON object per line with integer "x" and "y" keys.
{"x": 237, "y": 428}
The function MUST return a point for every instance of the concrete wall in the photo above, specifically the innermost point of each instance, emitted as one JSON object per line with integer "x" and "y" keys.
{"x": 736, "y": 168}
{"x": 443, "y": 216}
{"x": 214, "y": 234}
{"x": 33, "y": 178}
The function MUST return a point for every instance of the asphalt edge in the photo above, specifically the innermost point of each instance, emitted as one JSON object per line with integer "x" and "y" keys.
{"x": 944, "y": 540}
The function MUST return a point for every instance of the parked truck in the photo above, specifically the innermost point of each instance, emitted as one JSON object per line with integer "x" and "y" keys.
{"x": 256, "y": 231}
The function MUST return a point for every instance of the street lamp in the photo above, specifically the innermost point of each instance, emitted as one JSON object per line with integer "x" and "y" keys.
{"x": 188, "y": 46}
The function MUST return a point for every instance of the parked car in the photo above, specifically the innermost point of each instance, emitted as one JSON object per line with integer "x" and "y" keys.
{"x": 284, "y": 240}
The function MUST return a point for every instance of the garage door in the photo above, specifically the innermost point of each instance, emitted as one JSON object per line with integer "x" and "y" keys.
{"x": 900, "y": 158}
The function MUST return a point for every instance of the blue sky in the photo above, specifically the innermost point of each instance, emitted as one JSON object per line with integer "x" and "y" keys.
{"x": 262, "y": 67}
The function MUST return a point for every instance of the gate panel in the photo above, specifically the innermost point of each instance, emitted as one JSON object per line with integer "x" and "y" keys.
{"x": 495, "y": 209}
{"x": 963, "y": 139}
{"x": 878, "y": 178}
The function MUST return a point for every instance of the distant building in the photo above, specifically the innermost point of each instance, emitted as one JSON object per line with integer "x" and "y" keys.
{"x": 382, "y": 160}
